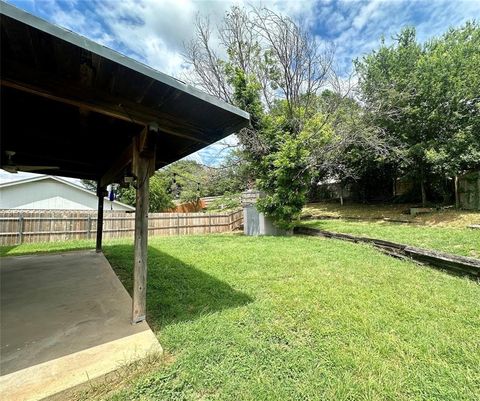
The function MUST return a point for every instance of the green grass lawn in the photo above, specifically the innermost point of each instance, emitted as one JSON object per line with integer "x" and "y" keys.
{"x": 46, "y": 247}
{"x": 460, "y": 241}
{"x": 301, "y": 318}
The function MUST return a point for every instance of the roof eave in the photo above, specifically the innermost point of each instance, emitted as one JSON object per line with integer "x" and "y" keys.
{"x": 89, "y": 45}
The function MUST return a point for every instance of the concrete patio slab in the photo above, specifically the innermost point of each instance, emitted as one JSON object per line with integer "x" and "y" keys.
{"x": 65, "y": 319}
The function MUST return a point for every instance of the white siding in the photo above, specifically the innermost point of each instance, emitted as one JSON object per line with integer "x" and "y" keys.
{"x": 51, "y": 194}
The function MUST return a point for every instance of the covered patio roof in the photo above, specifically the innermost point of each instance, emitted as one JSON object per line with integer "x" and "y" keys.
{"x": 74, "y": 104}
{"x": 74, "y": 108}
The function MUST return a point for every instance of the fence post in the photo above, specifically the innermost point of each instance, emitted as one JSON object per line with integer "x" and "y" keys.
{"x": 178, "y": 224}
{"x": 72, "y": 235}
{"x": 89, "y": 226}
{"x": 20, "y": 228}
{"x": 210, "y": 222}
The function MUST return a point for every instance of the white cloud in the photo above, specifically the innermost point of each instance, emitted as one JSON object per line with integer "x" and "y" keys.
{"x": 378, "y": 18}
{"x": 154, "y": 30}
{"x": 79, "y": 21}
{"x": 369, "y": 11}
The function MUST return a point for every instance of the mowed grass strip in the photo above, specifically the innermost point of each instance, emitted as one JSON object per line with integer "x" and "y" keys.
{"x": 299, "y": 318}
{"x": 46, "y": 247}
{"x": 459, "y": 241}
{"x": 447, "y": 217}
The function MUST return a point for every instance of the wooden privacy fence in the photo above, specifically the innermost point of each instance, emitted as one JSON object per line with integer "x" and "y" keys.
{"x": 17, "y": 227}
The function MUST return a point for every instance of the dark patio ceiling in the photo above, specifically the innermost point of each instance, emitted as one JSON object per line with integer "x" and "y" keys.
{"x": 69, "y": 102}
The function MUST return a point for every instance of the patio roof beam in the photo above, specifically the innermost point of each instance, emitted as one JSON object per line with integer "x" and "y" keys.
{"x": 107, "y": 105}
{"x": 147, "y": 147}
{"x": 116, "y": 169}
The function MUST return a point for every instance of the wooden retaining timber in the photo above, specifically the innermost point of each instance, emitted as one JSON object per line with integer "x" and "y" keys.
{"x": 328, "y": 217}
{"x": 456, "y": 264}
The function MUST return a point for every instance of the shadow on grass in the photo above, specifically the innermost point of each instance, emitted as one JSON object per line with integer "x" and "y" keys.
{"x": 176, "y": 291}
{"x": 5, "y": 250}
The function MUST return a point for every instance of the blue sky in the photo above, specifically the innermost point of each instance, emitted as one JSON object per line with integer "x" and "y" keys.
{"x": 153, "y": 31}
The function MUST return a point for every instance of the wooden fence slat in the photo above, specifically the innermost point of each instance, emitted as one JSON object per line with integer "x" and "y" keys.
{"x": 21, "y": 224}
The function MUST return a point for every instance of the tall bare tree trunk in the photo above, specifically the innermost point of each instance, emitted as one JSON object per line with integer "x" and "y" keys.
{"x": 457, "y": 197}
{"x": 422, "y": 187}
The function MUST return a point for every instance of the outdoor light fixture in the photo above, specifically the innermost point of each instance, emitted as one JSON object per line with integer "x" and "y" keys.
{"x": 128, "y": 177}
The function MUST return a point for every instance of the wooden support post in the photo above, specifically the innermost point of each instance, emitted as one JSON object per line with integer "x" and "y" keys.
{"x": 143, "y": 165}
{"x": 101, "y": 195}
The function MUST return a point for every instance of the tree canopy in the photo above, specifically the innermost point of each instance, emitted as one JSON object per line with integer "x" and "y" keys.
{"x": 426, "y": 98}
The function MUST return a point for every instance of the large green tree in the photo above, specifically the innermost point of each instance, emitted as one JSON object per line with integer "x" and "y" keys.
{"x": 426, "y": 98}
{"x": 276, "y": 70}
{"x": 449, "y": 73}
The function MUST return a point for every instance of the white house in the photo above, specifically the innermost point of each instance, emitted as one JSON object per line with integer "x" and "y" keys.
{"x": 52, "y": 193}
